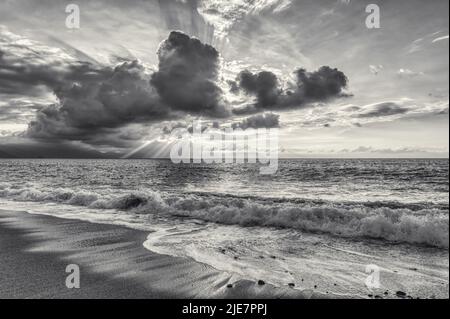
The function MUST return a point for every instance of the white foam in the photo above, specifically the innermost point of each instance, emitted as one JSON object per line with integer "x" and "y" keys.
{"x": 428, "y": 226}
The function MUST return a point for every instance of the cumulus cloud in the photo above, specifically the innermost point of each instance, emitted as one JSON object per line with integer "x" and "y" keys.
{"x": 187, "y": 75}
{"x": 95, "y": 104}
{"x": 316, "y": 86}
{"x": 321, "y": 84}
{"x": 98, "y": 103}
{"x": 115, "y": 106}
{"x": 263, "y": 84}
{"x": 265, "y": 120}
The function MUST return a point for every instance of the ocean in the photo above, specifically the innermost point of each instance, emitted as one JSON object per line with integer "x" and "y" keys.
{"x": 318, "y": 223}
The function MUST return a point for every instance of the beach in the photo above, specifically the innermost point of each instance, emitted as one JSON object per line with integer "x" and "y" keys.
{"x": 35, "y": 251}
{"x": 154, "y": 229}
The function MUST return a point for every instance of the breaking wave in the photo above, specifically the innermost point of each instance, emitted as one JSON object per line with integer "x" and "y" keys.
{"x": 423, "y": 224}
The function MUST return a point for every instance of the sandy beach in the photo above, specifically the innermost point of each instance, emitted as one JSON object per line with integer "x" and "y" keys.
{"x": 35, "y": 250}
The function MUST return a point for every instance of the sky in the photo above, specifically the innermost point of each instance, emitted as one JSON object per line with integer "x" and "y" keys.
{"x": 133, "y": 71}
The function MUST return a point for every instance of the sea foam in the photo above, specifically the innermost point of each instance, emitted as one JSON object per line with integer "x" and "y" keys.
{"x": 423, "y": 225}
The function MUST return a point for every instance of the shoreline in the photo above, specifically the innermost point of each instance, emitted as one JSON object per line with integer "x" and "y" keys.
{"x": 36, "y": 249}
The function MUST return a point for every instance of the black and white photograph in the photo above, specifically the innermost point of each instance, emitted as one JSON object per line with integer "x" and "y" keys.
{"x": 224, "y": 149}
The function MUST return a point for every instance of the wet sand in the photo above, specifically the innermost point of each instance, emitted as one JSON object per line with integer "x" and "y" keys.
{"x": 36, "y": 249}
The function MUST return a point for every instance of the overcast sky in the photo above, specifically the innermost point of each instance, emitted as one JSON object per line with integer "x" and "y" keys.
{"x": 135, "y": 70}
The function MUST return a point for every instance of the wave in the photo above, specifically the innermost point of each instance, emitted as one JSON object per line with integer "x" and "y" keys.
{"x": 417, "y": 224}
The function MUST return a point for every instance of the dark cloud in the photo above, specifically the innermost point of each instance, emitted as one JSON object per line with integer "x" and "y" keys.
{"x": 266, "y": 120}
{"x": 169, "y": 127}
{"x": 103, "y": 107}
{"x": 309, "y": 87}
{"x": 215, "y": 125}
{"x": 187, "y": 75}
{"x": 18, "y": 111}
{"x": 444, "y": 111}
{"x": 32, "y": 149}
{"x": 383, "y": 109}
{"x": 18, "y": 77}
{"x": 322, "y": 84}
{"x": 264, "y": 85}
{"x": 98, "y": 103}
{"x": 30, "y": 69}
{"x": 94, "y": 102}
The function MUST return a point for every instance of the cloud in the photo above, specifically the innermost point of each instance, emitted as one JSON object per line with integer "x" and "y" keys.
{"x": 309, "y": 87}
{"x": 106, "y": 105}
{"x": 28, "y": 67}
{"x": 424, "y": 42}
{"x": 187, "y": 76}
{"x": 115, "y": 107}
{"x": 375, "y": 69}
{"x": 98, "y": 103}
{"x": 399, "y": 150}
{"x": 33, "y": 149}
{"x": 263, "y": 84}
{"x": 445, "y": 37}
{"x": 382, "y": 109}
{"x": 94, "y": 102}
{"x": 18, "y": 110}
{"x": 321, "y": 84}
{"x": 223, "y": 14}
{"x": 408, "y": 73}
{"x": 265, "y": 120}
